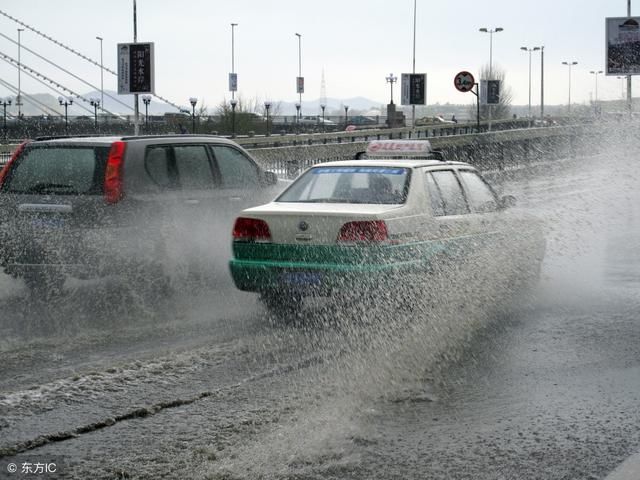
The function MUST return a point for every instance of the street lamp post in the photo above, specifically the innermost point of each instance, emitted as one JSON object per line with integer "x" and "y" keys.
{"x": 526, "y": 49}
{"x": 267, "y": 106}
{"x": 19, "y": 96}
{"x": 95, "y": 103}
{"x": 193, "y": 101}
{"x": 5, "y": 103}
{"x": 491, "y": 32}
{"x": 346, "y": 116}
{"x": 542, "y": 84}
{"x": 391, "y": 80}
{"x": 569, "y": 64}
{"x": 298, "y": 117}
{"x": 300, "y": 81}
{"x": 595, "y": 73}
{"x": 65, "y": 101}
{"x": 146, "y": 99}
{"x": 323, "y": 106}
{"x": 233, "y": 84}
{"x": 233, "y": 103}
{"x": 101, "y": 73}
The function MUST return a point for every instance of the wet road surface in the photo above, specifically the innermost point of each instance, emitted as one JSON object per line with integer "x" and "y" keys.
{"x": 208, "y": 385}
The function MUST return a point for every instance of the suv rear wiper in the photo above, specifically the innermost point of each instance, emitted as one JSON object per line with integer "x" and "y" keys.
{"x": 47, "y": 187}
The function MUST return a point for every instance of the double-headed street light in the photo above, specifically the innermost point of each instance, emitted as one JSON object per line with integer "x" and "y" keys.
{"x": 391, "y": 80}
{"x": 233, "y": 103}
{"x": 146, "y": 99}
{"x": 491, "y": 32}
{"x": 65, "y": 101}
{"x": 193, "y": 101}
{"x": 267, "y": 107}
{"x": 526, "y": 49}
{"x": 5, "y": 102}
{"x": 595, "y": 73}
{"x": 95, "y": 103}
{"x": 569, "y": 64}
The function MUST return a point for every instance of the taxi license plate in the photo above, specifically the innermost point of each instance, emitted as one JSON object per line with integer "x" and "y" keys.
{"x": 301, "y": 279}
{"x": 47, "y": 223}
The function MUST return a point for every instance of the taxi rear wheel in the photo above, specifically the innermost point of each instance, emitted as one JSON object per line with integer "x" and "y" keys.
{"x": 282, "y": 303}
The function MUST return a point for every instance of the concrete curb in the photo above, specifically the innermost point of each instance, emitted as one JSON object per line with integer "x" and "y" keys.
{"x": 628, "y": 470}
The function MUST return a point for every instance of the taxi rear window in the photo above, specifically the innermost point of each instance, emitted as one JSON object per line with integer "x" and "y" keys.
{"x": 361, "y": 184}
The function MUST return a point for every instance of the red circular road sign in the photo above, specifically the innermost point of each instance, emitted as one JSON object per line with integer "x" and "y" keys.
{"x": 464, "y": 81}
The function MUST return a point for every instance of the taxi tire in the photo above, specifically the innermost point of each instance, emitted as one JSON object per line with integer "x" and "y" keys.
{"x": 282, "y": 303}
{"x": 43, "y": 284}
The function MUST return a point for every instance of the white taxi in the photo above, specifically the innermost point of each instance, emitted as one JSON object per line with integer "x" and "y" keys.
{"x": 357, "y": 223}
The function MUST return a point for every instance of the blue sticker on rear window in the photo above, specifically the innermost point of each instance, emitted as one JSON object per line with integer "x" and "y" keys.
{"x": 378, "y": 170}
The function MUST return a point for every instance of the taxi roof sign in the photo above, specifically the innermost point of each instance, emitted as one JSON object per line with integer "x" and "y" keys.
{"x": 405, "y": 148}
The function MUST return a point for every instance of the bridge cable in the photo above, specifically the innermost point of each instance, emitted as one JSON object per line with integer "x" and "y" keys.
{"x": 69, "y": 73}
{"x": 60, "y": 44}
{"x": 43, "y": 106}
{"x": 61, "y": 87}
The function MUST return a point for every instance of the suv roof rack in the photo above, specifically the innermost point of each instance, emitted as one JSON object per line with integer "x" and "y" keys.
{"x": 172, "y": 135}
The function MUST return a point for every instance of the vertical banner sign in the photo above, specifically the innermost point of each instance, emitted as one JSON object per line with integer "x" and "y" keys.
{"x": 136, "y": 68}
{"x": 622, "y": 45}
{"x": 233, "y": 82}
{"x": 489, "y": 92}
{"x": 413, "y": 89}
{"x": 299, "y": 84}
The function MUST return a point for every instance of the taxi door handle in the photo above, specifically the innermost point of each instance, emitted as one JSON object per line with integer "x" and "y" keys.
{"x": 192, "y": 201}
{"x": 235, "y": 199}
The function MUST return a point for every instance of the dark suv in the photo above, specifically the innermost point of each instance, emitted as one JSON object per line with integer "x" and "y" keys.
{"x": 142, "y": 207}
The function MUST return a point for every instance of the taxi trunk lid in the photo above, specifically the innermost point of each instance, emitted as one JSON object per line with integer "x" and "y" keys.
{"x": 314, "y": 224}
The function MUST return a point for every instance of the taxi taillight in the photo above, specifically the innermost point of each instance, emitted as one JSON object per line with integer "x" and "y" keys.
{"x": 251, "y": 230}
{"x": 5, "y": 170}
{"x": 113, "y": 182}
{"x": 364, "y": 231}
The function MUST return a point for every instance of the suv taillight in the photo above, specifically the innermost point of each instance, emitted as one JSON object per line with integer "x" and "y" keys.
{"x": 7, "y": 167}
{"x": 251, "y": 230}
{"x": 113, "y": 191}
{"x": 364, "y": 231}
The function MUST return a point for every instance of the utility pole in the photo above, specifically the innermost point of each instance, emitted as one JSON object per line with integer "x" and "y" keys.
{"x": 136, "y": 107}
{"x": 629, "y": 95}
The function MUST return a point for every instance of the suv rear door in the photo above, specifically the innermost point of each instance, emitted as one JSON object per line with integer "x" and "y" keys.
{"x": 52, "y": 192}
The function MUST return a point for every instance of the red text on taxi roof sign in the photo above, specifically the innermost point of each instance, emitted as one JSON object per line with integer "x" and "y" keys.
{"x": 398, "y": 147}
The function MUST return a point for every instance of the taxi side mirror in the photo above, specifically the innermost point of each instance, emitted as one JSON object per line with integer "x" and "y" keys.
{"x": 269, "y": 178}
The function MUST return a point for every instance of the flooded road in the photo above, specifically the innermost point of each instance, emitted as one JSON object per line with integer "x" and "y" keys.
{"x": 469, "y": 384}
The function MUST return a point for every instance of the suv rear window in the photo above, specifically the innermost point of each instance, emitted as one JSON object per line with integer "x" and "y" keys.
{"x": 58, "y": 170}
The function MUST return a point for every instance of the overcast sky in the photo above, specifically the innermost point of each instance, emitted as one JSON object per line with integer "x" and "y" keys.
{"x": 357, "y": 43}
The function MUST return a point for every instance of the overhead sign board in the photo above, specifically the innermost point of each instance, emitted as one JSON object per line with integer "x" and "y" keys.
{"x": 233, "y": 82}
{"x": 489, "y": 92}
{"x": 136, "y": 68}
{"x": 299, "y": 84}
{"x": 622, "y": 45}
{"x": 414, "y": 89}
{"x": 464, "y": 81}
